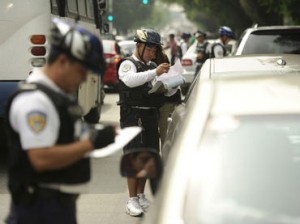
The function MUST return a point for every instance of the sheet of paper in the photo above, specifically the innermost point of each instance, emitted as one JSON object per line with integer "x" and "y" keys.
{"x": 123, "y": 137}
{"x": 174, "y": 70}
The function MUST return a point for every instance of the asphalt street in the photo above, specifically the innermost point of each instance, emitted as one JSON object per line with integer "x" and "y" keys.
{"x": 107, "y": 192}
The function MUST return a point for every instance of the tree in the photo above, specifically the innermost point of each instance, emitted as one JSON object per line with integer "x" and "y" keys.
{"x": 132, "y": 14}
{"x": 129, "y": 14}
{"x": 240, "y": 14}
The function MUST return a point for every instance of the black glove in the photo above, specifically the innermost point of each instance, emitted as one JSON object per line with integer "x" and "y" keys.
{"x": 103, "y": 137}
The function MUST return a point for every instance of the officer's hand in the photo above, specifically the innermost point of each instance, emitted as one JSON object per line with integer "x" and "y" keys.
{"x": 103, "y": 137}
{"x": 162, "y": 68}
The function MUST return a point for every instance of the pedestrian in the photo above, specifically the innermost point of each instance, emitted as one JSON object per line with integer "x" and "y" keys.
{"x": 218, "y": 49}
{"x": 138, "y": 108}
{"x": 172, "y": 99}
{"x": 174, "y": 48}
{"x": 202, "y": 50}
{"x": 48, "y": 140}
{"x": 185, "y": 43}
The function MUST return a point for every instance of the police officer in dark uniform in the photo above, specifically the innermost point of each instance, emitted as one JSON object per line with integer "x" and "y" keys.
{"x": 47, "y": 138}
{"x": 202, "y": 50}
{"x": 138, "y": 108}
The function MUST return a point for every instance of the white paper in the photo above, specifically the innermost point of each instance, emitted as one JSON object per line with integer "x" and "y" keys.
{"x": 175, "y": 70}
{"x": 123, "y": 137}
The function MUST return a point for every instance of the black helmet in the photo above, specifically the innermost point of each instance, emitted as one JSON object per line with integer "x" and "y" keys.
{"x": 185, "y": 35}
{"x": 148, "y": 37}
{"x": 79, "y": 44}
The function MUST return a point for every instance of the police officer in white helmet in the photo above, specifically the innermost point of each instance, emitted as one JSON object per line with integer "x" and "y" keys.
{"x": 137, "y": 107}
{"x": 47, "y": 137}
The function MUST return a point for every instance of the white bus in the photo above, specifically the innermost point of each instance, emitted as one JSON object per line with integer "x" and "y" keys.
{"x": 24, "y": 28}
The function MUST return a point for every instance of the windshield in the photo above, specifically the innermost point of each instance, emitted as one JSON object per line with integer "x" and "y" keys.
{"x": 248, "y": 171}
{"x": 273, "y": 41}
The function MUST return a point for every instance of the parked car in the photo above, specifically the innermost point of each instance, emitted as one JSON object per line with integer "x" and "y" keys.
{"x": 243, "y": 65}
{"x": 127, "y": 47}
{"x": 112, "y": 56}
{"x": 270, "y": 39}
{"x": 189, "y": 65}
{"x": 238, "y": 156}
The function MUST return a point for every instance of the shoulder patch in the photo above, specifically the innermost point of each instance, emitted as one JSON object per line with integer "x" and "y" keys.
{"x": 126, "y": 68}
{"x": 36, "y": 120}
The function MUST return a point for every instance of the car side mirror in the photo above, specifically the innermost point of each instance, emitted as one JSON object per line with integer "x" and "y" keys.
{"x": 142, "y": 163}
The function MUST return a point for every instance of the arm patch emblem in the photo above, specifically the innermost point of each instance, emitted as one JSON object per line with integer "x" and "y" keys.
{"x": 126, "y": 68}
{"x": 36, "y": 120}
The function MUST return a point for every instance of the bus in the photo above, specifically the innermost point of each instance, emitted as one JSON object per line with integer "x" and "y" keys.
{"x": 25, "y": 26}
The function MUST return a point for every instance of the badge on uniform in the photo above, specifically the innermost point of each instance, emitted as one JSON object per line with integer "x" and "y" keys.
{"x": 126, "y": 68}
{"x": 36, "y": 121}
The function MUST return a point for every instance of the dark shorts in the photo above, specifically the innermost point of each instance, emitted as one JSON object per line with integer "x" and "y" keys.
{"x": 145, "y": 118}
{"x": 49, "y": 207}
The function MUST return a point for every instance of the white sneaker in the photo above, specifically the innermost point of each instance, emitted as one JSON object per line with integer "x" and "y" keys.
{"x": 133, "y": 207}
{"x": 143, "y": 201}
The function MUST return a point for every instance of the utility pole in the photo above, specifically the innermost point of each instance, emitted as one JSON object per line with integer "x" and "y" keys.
{"x": 110, "y": 12}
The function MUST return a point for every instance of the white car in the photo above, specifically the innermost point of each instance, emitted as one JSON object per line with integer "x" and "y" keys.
{"x": 240, "y": 66}
{"x": 238, "y": 156}
{"x": 270, "y": 40}
{"x": 189, "y": 65}
{"x": 127, "y": 47}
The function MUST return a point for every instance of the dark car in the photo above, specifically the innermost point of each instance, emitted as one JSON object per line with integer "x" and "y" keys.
{"x": 270, "y": 39}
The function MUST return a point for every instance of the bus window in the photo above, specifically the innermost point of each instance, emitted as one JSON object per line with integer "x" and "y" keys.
{"x": 53, "y": 3}
{"x": 90, "y": 9}
{"x": 72, "y": 6}
{"x": 82, "y": 8}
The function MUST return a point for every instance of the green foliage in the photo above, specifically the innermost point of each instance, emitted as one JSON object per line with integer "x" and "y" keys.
{"x": 129, "y": 14}
{"x": 240, "y": 14}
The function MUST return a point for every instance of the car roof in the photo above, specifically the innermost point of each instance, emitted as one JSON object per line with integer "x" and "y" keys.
{"x": 279, "y": 27}
{"x": 256, "y": 95}
{"x": 245, "y": 65}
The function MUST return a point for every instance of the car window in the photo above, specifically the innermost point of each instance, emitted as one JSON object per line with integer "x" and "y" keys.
{"x": 192, "y": 89}
{"x": 247, "y": 170}
{"x": 273, "y": 41}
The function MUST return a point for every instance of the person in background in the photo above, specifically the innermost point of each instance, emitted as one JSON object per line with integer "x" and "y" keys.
{"x": 172, "y": 98}
{"x": 218, "y": 49}
{"x": 185, "y": 42}
{"x": 48, "y": 139}
{"x": 202, "y": 50}
{"x": 139, "y": 108}
{"x": 173, "y": 46}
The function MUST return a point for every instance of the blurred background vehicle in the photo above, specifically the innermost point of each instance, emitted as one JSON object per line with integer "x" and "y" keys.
{"x": 112, "y": 56}
{"x": 189, "y": 64}
{"x": 237, "y": 159}
{"x": 127, "y": 47}
{"x": 270, "y": 39}
{"x": 241, "y": 66}
{"x": 31, "y": 20}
